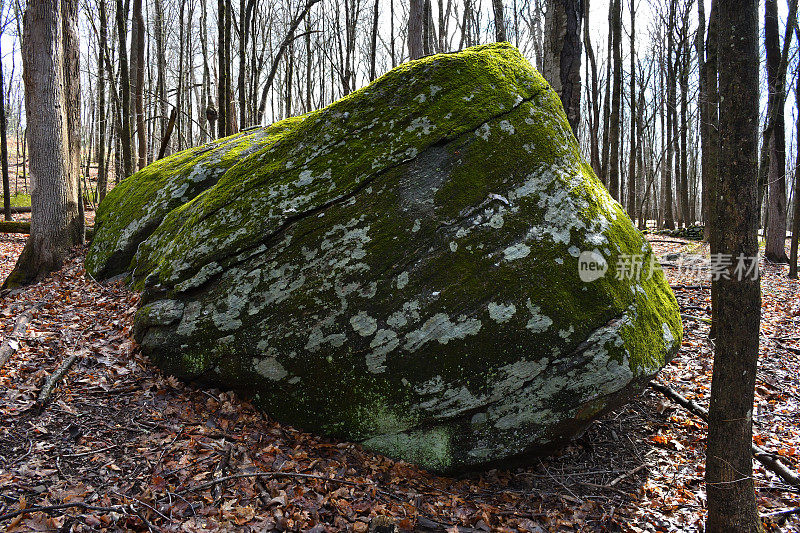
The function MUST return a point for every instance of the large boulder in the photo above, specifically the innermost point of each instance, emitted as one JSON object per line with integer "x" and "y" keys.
{"x": 400, "y": 268}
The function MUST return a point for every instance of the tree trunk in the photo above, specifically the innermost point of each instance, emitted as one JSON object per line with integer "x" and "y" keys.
{"x": 773, "y": 167}
{"x": 373, "y": 51}
{"x": 684, "y": 124}
{"x": 50, "y": 63}
{"x": 500, "y": 23}
{"x": 594, "y": 95}
{"x": 102, "y": 168}
{"x": 711, "y": 156}
{"x": 3, "y": 146}
{"x": 736, "y": 303}
{"x": 607, "y": 101}
{"x": 616, "y": 100}
{"x": 125, "y": 104}
{"x": 562, "y": 55}
{"x": 222, "y": 71}
{"x": 138, "y": 46}
{"x": 416, "y": 14}
{"x": 631, "y": 189}
{"x": 796, "y": 210}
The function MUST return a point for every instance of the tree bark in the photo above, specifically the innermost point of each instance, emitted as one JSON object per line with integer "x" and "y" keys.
{"x": 736, "y": 302}
{"x": 684, "y": 124}
{"x": 50, "y": 71}
{"x": 562, "y": 55}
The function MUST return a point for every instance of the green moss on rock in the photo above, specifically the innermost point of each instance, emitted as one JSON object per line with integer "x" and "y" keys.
{"x": 399, "y": 268}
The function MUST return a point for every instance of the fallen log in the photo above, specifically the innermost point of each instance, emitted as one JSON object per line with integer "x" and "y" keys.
{"x": 11, "y": 344}
{"x": 15, "y": 227}
{"x": 769, "y": 460}
{"x": 24, "y": 227}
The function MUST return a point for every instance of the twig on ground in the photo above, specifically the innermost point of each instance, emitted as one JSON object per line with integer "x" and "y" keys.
{"x": 53, "y": 380}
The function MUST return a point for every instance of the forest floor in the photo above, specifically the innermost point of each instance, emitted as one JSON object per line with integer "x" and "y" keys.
{"x": 122, "y": 447}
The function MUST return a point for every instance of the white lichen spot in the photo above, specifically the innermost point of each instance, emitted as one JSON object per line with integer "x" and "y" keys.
{"x": 574, "y": 251}
{"x": 364, "y": 324}
{"x": 517, "y": 251}
{"x": 507, "y": 127}
{"x": 384, "y": 342}
{"x": 420, "y": 98}
{"x": 483, "y": 132}
{"x": 453, "y": 246}
{"x": 270, "y": 368}
{"x": 421, "y": 123}
{"x": 538, "y": 323}
{"x": 500, "y": 312}
{"x": 402, "y": 280}
{"x": 559, "y": 260}
{"x": 416, "y": 226}
{"x": 496, "y": 221}
{"x": 440, "y": 328}
{"x": 435, "y": 89}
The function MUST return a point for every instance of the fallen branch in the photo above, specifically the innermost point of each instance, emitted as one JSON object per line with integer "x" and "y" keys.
{"x": 53, "y": 380}
{"x": 769, "y": 460}
{"x": 299, "y": 475}
{"x": 11, "y": 344}
{"x": 688, "y": 287}
{"x": 81, "y": 505}
{"x": 698, "y": 318}
{"x": 219, "y": 472}
{"x": 671, "y": 241}
{"x": 782, "y": 514}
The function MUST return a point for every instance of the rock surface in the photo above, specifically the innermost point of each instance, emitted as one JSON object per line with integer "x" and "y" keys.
{"x": 400, "y": 268}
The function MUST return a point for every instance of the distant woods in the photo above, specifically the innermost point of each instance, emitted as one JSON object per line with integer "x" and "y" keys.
{"x": 638, "y": 81}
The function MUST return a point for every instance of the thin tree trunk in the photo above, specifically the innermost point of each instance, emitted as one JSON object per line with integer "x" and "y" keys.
{"x": 138, "y": 73}
{"x": 684, "y": 125}
{"x": 607, "y": 101}
{"x": 373, "y": 42}
{"x": 736, "y": 303}
{"x": 594, "y": 129}
{"x": 631, "y": 189}
{"x": 3, "y": 146}
{"x": 102, "y": 168}
{"x": 125, "y": 104}
{"x": 616, "y": 100}
{"x": 796, "y": 210}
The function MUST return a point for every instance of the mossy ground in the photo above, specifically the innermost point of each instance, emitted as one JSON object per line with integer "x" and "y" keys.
{"x": 401, "y": 268}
